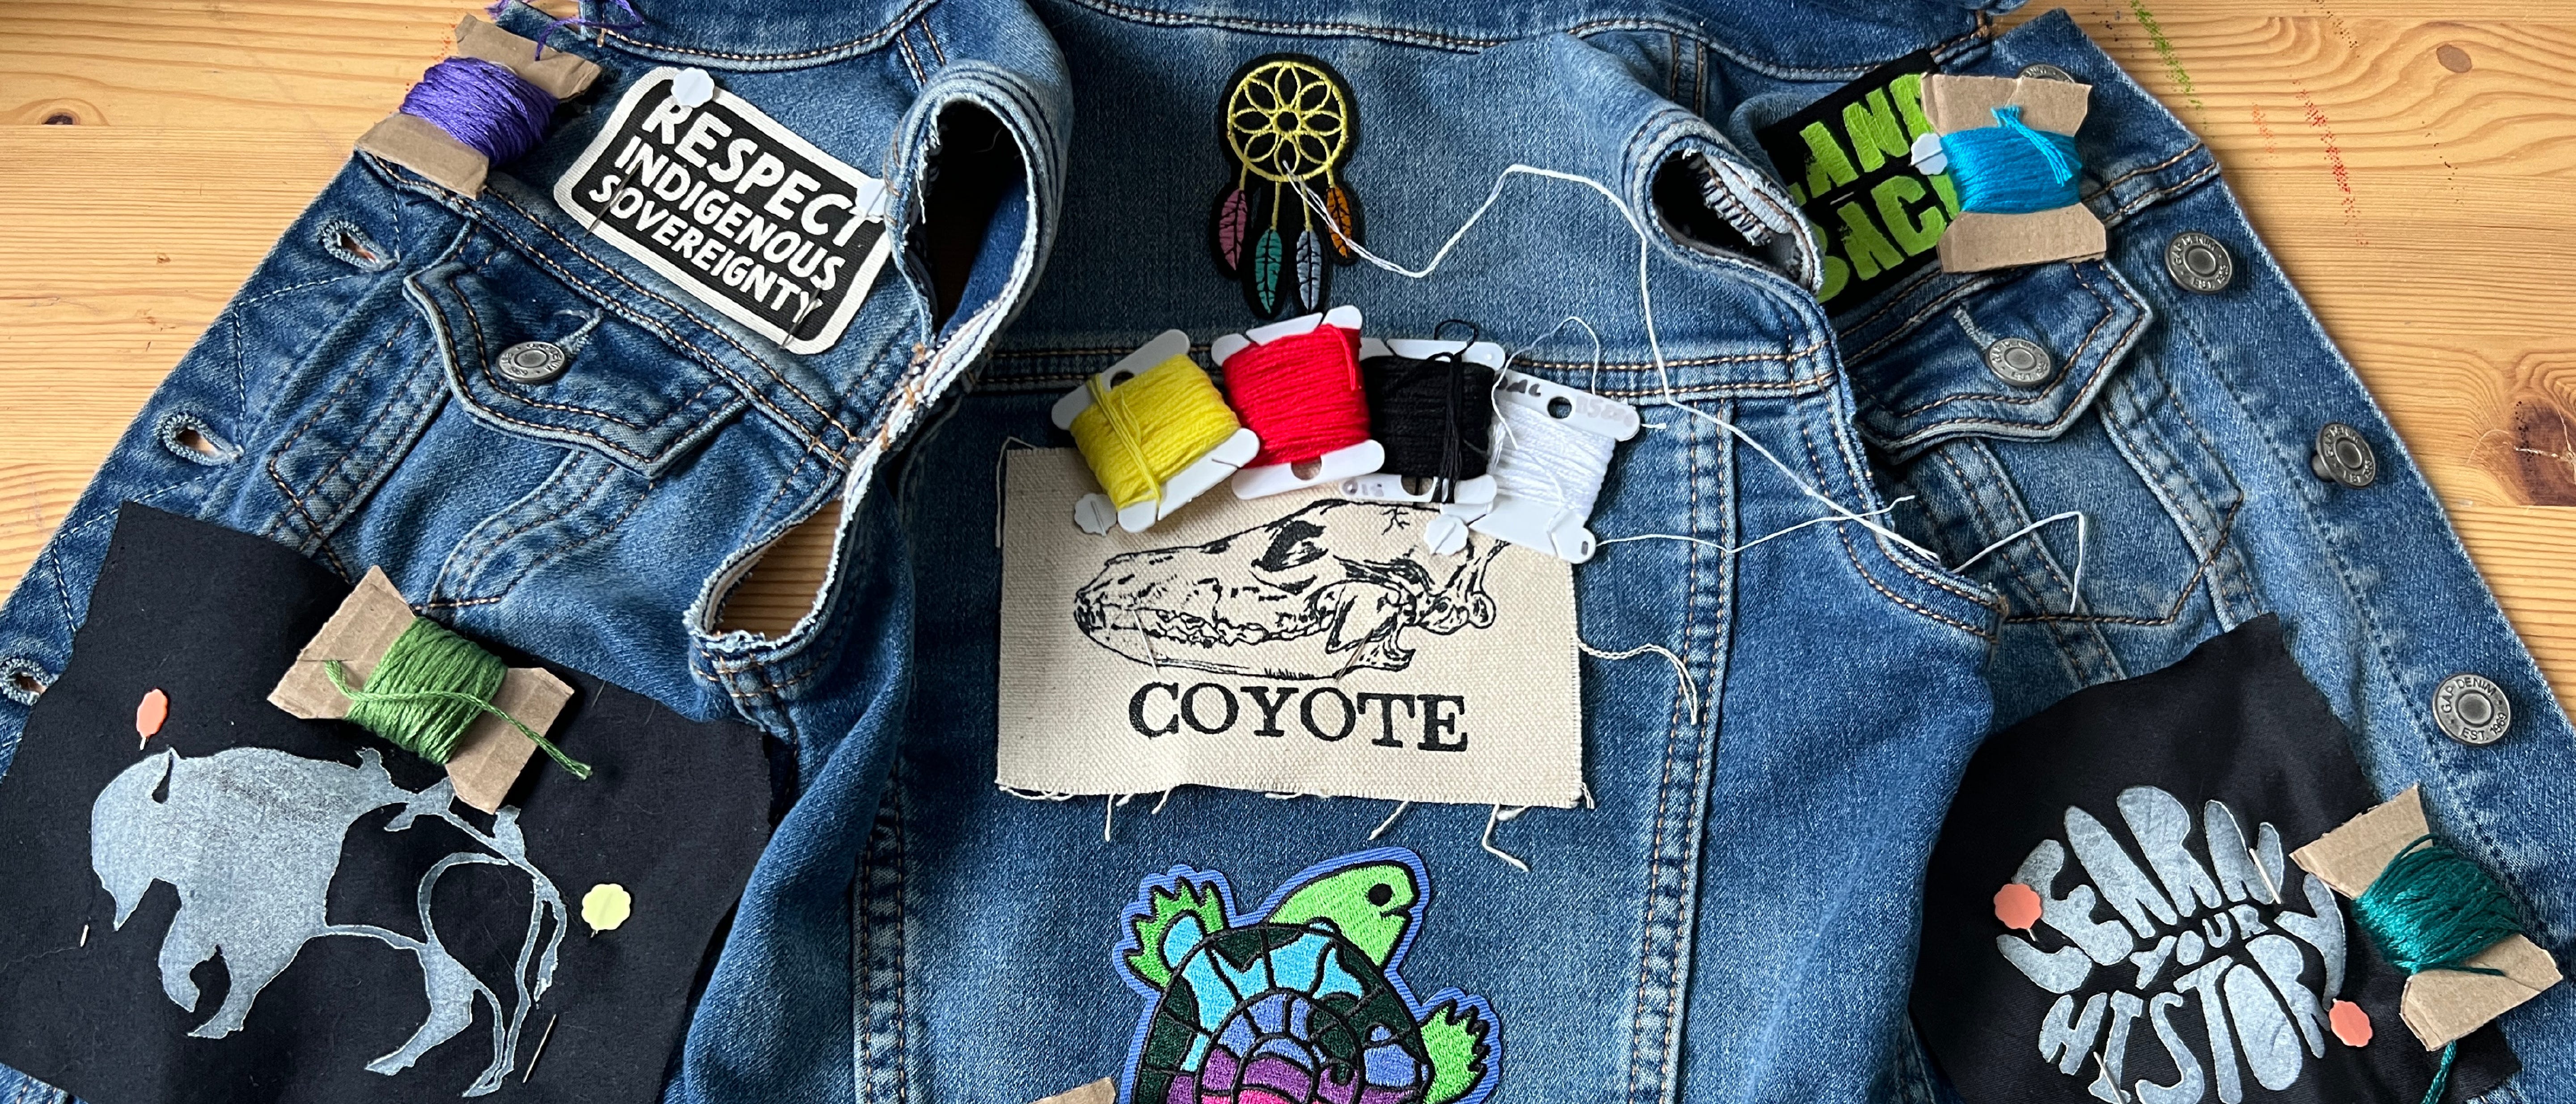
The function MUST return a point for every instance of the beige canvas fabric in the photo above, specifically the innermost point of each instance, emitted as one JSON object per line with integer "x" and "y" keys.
{"x": 1303, "y": 643}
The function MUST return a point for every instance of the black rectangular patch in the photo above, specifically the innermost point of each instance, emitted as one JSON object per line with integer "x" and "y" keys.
{"x": 1849, "y": 163}
{"x": 741, "y": 211}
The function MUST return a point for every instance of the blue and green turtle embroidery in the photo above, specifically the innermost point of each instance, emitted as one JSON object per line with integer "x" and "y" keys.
{"x": 1300, "y": 1000}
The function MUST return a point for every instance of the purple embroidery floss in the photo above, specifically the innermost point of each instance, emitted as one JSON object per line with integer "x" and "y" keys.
{"x": 484, "y": 105}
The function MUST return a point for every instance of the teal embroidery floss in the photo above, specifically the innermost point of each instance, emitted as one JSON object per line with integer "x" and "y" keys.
{"x": 2012, "y": 169}
{"x": 2433, "y": 909}
{"x": 429, "y": 686}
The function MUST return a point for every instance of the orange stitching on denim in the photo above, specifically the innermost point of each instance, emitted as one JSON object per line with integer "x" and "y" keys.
{"x": 538, "y": 561}
{"x": 572, "y": 501}
{"x": 483, "y": 362}
{"x": 932, "y": 37}
{"x": 676, "y": 308}
{"x": 1852, "y": 552}
{"x": 861, "y": 44}
{"x": 2073, "y": 357}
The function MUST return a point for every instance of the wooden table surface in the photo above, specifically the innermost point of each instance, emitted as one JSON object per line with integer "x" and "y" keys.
{"x": 2410, "y": 161}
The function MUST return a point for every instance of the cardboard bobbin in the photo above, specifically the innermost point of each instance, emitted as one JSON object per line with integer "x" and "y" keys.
{"x": 1978, "y": 240}
{"x": 417, "y": 144}
{"x": 1095, "y": 513}
{"x": 491, "y": 753}
{"x": 2439, "y": 1005}
{"x": 1363, "y": 458}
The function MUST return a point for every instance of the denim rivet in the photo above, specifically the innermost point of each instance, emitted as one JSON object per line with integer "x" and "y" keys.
{"x": 2343, "y": 456}
{"x": 2020, "y": 361}
{"x": 533, "y": 362}
{"x": 2472, "y": 709}
{"x": 2199, "y": 262}
{"x": 2045, "y": 71}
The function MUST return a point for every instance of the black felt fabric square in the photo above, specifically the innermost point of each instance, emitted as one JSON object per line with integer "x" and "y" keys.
{"x": 2173, "y": 952}
{"x": 247, "y": 906}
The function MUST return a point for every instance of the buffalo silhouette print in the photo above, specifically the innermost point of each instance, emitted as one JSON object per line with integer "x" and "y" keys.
{"x": 1319, "y": 593}
{"x": 251, "y": 839}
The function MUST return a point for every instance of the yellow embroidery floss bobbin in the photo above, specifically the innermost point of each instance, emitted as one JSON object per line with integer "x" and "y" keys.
{"x": 1156, "y": 433}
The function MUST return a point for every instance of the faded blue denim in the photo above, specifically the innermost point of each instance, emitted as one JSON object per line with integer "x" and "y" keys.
{"x": 1734, "y": 920}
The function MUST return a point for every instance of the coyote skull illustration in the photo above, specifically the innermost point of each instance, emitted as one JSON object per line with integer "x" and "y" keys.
{"x": 1324, "y": 591}
{"x": 251, "y": 839}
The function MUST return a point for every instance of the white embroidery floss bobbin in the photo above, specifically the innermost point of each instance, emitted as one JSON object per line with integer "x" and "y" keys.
{"x": 1095, "y": 513}
{"x": 1552, "y": 450}
{"x": 1390, "y": 487}
{"x": 1360, "y": 458}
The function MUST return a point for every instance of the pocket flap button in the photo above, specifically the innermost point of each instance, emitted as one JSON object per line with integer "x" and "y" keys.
{"x": 2020, "y": 361}
{"x": 533, "y": 362}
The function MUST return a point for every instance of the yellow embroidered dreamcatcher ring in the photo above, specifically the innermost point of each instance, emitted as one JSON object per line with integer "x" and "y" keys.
{"x": 1288, "y": 120}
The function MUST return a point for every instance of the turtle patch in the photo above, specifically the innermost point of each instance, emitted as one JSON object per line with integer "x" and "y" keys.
{"x": 1300, "y": 1000}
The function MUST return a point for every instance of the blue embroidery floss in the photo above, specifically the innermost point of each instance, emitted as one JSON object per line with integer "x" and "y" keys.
{"x": 2433, "y": 909}
{"x": 484, "y": 105}
{"x": 2011, "y": 169}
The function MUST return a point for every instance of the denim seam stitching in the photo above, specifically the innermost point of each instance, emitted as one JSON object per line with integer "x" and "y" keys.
{"x": 903, "y": 45}
{"x": 932, "y": 37}
{"x": 1858, "y": 474}
{"x": 872, "y": 40}
{"x": 482, "y": 361}
{"x": 1663, "y": 814}
{"x": 683, "y": 311}
{"x": 1852, "y": 552}
{"x": 2227, "y": 531}
{"x": 2149, "y": 199}
{"x": 348, "y": 379}
{"x": 572, "y": 501}
{"x": 536, "y": 562}
{"x": 1900, "y": 331}
{"x": 2110, "y": 310}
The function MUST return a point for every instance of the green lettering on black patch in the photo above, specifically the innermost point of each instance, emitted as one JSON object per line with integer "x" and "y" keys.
{"x": 1847, "y": 158}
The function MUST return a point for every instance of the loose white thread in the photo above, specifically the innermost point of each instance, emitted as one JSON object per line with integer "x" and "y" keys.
{"x": 1167, "y": 799}
{"x": 1500, "y": 815}
{"x": 1389, "y": 822}
{"x": 1570, "y": 320}
{"x": 2075, "y": 586}
{"x": 1774, "y": 534}
{"x": 1681, "y": 670}
{"x": 1646, "y": 303}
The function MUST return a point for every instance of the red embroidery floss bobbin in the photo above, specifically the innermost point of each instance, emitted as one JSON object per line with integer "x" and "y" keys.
{"x": 1297, "y": 384}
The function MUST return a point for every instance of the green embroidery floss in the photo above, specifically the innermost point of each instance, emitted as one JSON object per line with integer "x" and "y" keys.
{"x": 2433, "y": 909}
{"x": 429, "y": 686}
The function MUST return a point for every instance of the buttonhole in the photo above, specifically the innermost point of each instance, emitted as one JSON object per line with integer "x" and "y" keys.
{"x": 189, "y": 438}
{"x": 571, "y": 343}
{"x": 22, "y": 680}
{"x": 343, "y": 239}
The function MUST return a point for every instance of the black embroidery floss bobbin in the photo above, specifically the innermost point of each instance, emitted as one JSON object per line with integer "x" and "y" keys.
{"x": 1434, "y": 415}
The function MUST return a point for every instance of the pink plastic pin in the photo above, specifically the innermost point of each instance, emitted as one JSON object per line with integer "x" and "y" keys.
{"x": 2351, "y": 1023}
{"x": 2017, "y": 905}
{"x": 149, "y": 713}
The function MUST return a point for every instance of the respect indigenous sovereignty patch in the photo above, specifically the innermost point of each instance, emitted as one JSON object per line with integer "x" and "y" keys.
{"x": 1848, "y": 159}
{"x": 1301, "y": 1000}
{"x": 1299, "y": 643}
{"x": 253, "y": 907}
{"x": 2110, "y": 910}
{"x": 744, "y": 213}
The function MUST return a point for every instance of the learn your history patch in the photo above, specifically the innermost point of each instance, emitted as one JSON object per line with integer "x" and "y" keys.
{"x": 741, "y": 211}
{"x": 1300, "y": 643}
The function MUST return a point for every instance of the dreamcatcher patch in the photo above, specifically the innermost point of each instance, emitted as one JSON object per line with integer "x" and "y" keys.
{"x": 1289, "y": 123}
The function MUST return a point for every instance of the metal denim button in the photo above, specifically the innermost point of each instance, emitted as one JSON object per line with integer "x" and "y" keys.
{"x": 2020, "y": 361}
{"x": 2472, "y": 710}
{"x": 533, "y": 362}
{"x": 2344, "y": 456}
{"x": 2045, "y": 71}
{"x": 2199, "y": 262}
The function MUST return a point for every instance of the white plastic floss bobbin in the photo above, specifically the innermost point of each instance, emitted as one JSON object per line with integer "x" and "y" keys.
{"x": 1093, "y": 512}
{"x": 1444, "y": 535}
{"x": 1549, "y": 527}
{"x": 1343, "y": 463}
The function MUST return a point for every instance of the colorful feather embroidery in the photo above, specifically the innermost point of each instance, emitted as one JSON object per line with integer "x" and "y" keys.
{"x": 1310, "y": 271}
{"x": 1264, "y": 273}
{"x": 1345, "y": 215}
{"x": 1233, "y": 220}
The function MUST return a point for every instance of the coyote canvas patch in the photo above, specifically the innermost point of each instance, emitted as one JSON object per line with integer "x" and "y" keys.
{"x": 1303, "y": 643}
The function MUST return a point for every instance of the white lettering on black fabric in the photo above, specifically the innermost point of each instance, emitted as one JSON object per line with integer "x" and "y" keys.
{"x": 745, "y": 214}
